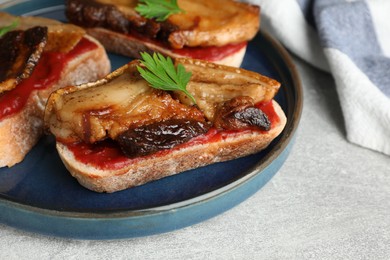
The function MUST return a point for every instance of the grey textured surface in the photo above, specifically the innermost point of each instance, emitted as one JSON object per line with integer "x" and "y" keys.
{"x": 330, "y": 200}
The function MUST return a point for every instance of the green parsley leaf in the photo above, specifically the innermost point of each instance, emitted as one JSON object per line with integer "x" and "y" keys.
{"x": 158, "y": 9}
{"x": 161, "y": 73}
{"x": 4, "y": 30}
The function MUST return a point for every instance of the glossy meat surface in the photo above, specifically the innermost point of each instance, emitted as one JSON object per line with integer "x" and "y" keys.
{"x": 19, "y": 53}
{"x": 204, "y": 22}
{"x": 123, "y": 104}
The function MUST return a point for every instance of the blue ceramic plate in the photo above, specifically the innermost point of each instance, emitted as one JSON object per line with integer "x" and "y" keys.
{"x": 39, "y": 195}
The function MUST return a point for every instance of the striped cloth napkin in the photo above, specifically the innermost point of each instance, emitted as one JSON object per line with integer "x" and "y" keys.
{"x": 351, "y": 40}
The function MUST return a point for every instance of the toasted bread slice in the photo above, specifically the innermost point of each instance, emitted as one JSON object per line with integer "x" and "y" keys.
{"x": 21, "y": 130}
{"x": 87, "y": 115}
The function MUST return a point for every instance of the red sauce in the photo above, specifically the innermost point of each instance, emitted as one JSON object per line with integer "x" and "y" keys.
{"x": 45, "y": 74}
{"x": 107, "y": 154}
{"x": 211, "y": 53}
{"x": 269, "y": 110}
{"x": 104, "y": 155}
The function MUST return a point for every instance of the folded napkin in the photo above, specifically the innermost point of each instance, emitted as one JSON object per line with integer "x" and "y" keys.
{"x": 351, "y": 40}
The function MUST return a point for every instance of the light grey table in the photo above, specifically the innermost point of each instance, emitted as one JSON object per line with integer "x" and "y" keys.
{"x": 330, "y": 200}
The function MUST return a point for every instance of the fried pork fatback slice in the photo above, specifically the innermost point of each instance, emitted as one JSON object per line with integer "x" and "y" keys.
{"x": 19, "y": 53}
{"x": 61, "y": 37}
{"x": 122, "y": 100}
{"x": 21, "y": 48}
{"x": 203, "y": 22}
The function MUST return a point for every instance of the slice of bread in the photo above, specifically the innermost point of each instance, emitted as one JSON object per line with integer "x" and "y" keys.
{"x": 153, "y": 167}
{"x": 21, "y": 131}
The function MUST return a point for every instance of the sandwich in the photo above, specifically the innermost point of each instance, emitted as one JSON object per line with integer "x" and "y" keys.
{"x": 38, "y": 56}
{"x": 155, "y": 117}
{"x": 211, "y": 30}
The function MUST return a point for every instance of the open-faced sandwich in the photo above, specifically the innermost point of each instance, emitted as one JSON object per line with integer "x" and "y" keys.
{"x": 154, "y": 118}
{"x": 37, "y": 56}
{"x": 211, "y": 30}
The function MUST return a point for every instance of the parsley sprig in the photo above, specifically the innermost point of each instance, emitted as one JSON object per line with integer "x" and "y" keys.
{"x": 161, "y": 73}
{"x": 158, "y": 9}
{"x": 5, "y": 29}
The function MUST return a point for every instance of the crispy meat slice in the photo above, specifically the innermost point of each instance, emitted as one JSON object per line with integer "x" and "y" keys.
{"x": 21, "y": 49}
{"x": 19, "y": 53}
{"x": 204, "y": 23}
{"x": 61, "y": 37}
{"x": 123, "y": 101}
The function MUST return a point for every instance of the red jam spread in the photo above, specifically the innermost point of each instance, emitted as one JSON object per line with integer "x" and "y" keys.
{"x": 107, "y": 154}
{"x": 46, "y": 73}
{"x": 211, "y": 53}
{"x": 268, "y": 109}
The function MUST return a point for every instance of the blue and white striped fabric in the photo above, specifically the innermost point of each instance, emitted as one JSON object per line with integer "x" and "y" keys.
{"x": 351, "y": 40}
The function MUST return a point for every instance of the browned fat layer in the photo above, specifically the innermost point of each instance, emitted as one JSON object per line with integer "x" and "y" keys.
{"x": 19, "y": 53}
{"x": 149, "y": 139}
{"x": 240, "y": 113}
{"x": 90, "y": 13}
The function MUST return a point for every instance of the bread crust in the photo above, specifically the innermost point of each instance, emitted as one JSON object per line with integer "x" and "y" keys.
{"x": 151, "y": 168}
{"x": 129, "y": 46}
{"x": 21, "y": 131}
